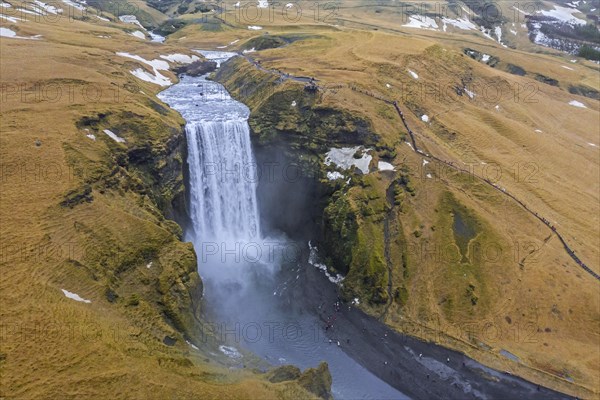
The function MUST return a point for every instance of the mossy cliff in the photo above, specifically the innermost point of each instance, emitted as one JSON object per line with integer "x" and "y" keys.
{"x": 385, "y": 231}
{"x": 347, "y": 218}
{"x": 142, "y": 264}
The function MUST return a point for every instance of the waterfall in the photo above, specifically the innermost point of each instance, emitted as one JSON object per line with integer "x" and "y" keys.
{"x": 223, "y": 173}
{"x": 223, "y": 178}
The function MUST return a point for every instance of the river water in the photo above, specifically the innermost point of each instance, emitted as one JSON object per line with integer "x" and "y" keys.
{"x": 268, "y": 295}
{"x": 251, "y": 281}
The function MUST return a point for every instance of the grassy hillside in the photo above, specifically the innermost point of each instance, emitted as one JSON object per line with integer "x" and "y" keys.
{"x": 89, "y": 216}
{"x": 436, "y": 253}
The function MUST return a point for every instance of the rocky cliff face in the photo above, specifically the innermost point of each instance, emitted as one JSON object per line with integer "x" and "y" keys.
{"x": 146, "y": 172}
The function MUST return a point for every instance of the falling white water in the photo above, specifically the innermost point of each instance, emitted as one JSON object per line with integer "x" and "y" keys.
{"x": 244, "y": 282}
{"x": 222, "y": 180}
{"x": 223, "y": 172}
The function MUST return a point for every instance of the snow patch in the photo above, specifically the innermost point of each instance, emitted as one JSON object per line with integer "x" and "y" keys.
{"x": 216, "y": 56}
{"x": 469, "y": 93}
{"x": 252, "y": 50}
{"x": 421, "y": 22}
{"x": 254, "y": 28}
{"x": 334, "y": 175}
{"x": 230, "y": 351}
{"x": 9, "y": 33}
{"x": 131, "y": 19}
{"x": 155, "y": 37}
{"x": 592, "y": 144}
{"x": 138, "y": 34}
{"x": 91, "y": 136}
{"x": 576, "y": 103}
{"x": 385, "y": 166}
{"x": 74, "y": 296}
{"x": 344, "y": 158}
{"x": 114, "y": 136}
{"x": 485, "y": 58}
{"x": 74, "y": 4}
{"x": 157, "y": 65}
{"x": 413, "y": 74}
{"x": 425, "y": 118}
{"x": 180, "y": 58}
{"x": 498, "y": 32}
{"x": 192, "y": 345}
{"x": 564, "y": 14}
{"x": 460, "y": 23}
{"x": 48, "y": 8}
{"x": 14, "y": 20}
{"x": 294, "y": 103}
{"x": 157, "y": 79}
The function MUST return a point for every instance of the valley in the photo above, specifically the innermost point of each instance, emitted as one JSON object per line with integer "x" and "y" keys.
{"x": 435, "y": 175}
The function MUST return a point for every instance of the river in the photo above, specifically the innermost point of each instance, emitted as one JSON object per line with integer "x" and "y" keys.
{"x": 267, "y": 293}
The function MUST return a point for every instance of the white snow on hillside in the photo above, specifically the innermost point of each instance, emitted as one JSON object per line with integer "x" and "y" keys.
{"x": 333, "y": 175}
{"x": 460, "y": 23}
{"x": 74, "y": 4}
{"x": 576, "y": 103}
{"x": 156, "y": 64}
{"x": 180, "y": 58}
{"x": 114, "y": 136}
{"x": 564, "y": 14}
{"x": 385, "y": 166}
{"x": 155, "y": 37}
{"x": 421, "y": 22}
{"x": 48, "y": 8}
{"x": 131, "y": 19}
{"x": 344, "y": 158}
{"x": 5, "y": 32}
{"x": 9, "y": 33}
{"x": 74, "y": 296}
{"x": 230, "y": 351}
{"x": 138, "y": 34}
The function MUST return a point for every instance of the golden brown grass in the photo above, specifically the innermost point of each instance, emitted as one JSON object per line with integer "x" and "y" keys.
{"x": 541, "y": 307}
{"x": 52, "y": 346}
